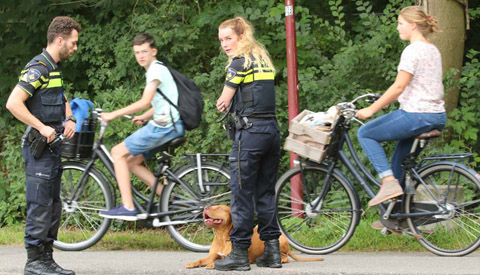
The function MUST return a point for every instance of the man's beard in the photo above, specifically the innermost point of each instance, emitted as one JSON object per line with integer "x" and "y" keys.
{"x": 64, "y": 53}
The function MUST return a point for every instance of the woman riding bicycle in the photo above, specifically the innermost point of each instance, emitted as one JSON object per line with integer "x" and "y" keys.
{"x": 419, "y": 90}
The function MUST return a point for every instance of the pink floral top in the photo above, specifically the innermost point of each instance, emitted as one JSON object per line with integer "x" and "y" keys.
{"x": 424, "y": 93}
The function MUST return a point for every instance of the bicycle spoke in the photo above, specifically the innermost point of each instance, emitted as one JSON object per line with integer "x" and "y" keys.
{"x": 315, "y": 231}
{"x": 457, "y": 232}
{"x": 81, "y": 227}
{"x": 194, "y": 235}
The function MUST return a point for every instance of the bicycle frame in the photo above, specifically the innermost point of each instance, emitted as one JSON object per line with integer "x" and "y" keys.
{"x": 100, "y": 151}
{"x": 365, "y": 179}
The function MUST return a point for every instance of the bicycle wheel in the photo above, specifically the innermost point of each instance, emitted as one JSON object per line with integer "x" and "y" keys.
{"x": 80, "y": 225}
{"x": 310, "y": 231}
{"x": 457, "y": 190}
{"x": 190, "y": 232}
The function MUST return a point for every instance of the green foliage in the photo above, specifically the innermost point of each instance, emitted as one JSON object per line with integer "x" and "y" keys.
{"x": 344, "y": 48}
{"x": 464, "y": 121}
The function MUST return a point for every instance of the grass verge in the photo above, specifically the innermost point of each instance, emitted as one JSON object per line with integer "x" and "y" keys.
{"x": 365, "y": 239}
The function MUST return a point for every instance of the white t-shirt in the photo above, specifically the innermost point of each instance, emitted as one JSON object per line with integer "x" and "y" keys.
{"x": 424, "y": 93}
{"x": 161, "y": 117}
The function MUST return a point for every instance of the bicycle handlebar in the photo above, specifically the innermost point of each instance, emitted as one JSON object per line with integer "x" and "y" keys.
{"x": 103, "y": 124}
{"x": 348, "y": 109}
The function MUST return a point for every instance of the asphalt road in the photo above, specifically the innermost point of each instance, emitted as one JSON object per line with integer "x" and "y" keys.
{"x": 12, "y": 260}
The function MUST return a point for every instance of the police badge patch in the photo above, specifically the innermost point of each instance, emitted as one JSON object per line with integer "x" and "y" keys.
{"x": 231, "y": 73}
{"x": 33, "y": 75}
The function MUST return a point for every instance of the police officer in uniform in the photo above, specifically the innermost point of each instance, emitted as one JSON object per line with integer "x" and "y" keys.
{"x": 256, "y": 149}
{"x": 38, "y": 100}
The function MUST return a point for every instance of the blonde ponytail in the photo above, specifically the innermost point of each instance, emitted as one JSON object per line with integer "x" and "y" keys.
{"x": 248, "y": 47}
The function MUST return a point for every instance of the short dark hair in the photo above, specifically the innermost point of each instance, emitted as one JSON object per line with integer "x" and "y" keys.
{"x": 62, "y": 26}
{"x": 142, "y": 38}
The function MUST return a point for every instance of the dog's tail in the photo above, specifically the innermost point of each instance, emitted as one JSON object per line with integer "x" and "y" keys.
{"x": 299, "y": 259}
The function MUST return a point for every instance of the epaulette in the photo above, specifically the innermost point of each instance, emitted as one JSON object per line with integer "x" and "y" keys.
{"x": 41, "y": 62}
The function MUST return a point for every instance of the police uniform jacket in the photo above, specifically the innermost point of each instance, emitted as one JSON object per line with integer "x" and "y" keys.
{"x": 254, "y": 85}
{"x": 42, "y": 80}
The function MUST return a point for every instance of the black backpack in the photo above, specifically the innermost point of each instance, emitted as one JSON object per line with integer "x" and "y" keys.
{"x": 190, "y": 100}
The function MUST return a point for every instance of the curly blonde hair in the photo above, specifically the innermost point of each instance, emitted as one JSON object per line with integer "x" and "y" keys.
{"x": 426, "y": 23}
{"x": 247, "y": 45}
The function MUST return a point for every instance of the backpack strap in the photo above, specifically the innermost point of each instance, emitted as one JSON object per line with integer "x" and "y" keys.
{"x": 167, "y": 99}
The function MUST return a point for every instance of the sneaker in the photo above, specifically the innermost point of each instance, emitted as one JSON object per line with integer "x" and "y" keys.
{"x": 120, "y": 213}
{"x": 389, "y": 189}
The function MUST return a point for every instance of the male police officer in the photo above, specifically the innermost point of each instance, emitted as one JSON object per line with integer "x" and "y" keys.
{"x": 38, "y": 100}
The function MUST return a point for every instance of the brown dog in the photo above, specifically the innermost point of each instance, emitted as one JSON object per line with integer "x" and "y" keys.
{"x": 218, "y": 217}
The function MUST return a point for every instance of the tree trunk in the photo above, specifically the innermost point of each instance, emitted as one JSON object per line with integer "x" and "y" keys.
{"x": 450, "y": 40}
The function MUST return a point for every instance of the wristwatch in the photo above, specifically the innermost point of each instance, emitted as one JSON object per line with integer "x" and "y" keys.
{"x": 72, "y": 118}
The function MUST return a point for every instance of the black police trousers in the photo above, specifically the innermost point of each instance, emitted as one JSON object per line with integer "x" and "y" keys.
{"x": 255, "y": 156}
{"x": 44, "y": 207}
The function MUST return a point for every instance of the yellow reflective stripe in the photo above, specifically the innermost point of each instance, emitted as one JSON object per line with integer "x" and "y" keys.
{"x": 54, "y": 73}
{"x": 248, "y": 78}
{"x": 236, "y": 80}
{"x": 35, "y": 84}
{"x": 57, "y": 82}
{"x": 265, "y": 76}
{"x": 259, "y": 76}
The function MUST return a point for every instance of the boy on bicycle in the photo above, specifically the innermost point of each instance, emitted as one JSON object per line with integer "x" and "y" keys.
{"x": 145, "y": 142}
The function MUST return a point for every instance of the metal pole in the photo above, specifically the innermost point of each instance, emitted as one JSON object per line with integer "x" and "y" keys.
{"x": 292, "y": 75}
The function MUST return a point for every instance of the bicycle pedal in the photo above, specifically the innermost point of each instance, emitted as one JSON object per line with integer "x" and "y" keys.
{"x": 385, "y": 231}
{"x": 142, "y": 216}
{"x": 156, "y": 222}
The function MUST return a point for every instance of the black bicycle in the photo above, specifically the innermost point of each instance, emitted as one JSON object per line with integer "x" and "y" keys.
{"x": 86, "y": 190}
{"x": 440, "y": 207}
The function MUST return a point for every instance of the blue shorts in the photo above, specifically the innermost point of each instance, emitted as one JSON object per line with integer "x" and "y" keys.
{"x": 148, "y": 139}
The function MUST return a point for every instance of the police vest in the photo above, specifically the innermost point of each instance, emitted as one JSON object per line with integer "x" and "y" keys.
{"x": 255, "y": 97}
{"x": 48, "y": 102}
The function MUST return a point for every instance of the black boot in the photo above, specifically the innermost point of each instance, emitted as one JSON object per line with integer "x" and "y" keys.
{"x": 48, "y": 259}
{"x": 236, "y": 260}
{"x": 35, "y": 264}
{"x": 271, "y": 255}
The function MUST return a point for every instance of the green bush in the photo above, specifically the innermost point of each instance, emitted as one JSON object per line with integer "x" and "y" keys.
{"x": 339, "y": 56}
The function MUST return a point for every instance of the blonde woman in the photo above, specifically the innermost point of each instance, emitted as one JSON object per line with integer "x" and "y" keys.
{"x": 249, "y": 87}
{"x": 419, "y": 90}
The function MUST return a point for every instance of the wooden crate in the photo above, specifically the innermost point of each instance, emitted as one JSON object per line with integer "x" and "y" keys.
{"x": 310, "y": 150}
{"x": 320, "y": 136}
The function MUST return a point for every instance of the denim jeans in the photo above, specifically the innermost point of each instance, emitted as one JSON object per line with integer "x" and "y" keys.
{"x": 397, "y": 125}
{"x": 149, "y": 139}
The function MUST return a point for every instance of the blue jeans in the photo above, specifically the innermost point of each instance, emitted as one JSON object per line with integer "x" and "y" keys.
{"x": 149, "y": 139}
{"x": 397, "y": 125}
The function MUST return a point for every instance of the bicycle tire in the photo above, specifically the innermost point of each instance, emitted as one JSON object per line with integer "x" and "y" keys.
{"x": 193, "y": 234}
{"x": 80, "y": 226}
{"x": 323, "y": 232}
{"x": 456, "y": 233}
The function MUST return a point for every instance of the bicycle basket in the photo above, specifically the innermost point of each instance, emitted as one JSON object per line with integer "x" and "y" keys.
{"x": 81, "y": 144}
{"x": 308, "y": 138}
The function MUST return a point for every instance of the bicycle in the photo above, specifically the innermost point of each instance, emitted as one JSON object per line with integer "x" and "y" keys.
{"x": 86, "y": 191}
{"x": 440, "y": 207}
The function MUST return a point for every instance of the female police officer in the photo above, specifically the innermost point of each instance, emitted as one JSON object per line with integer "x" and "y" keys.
{"x": 256, "y": 148}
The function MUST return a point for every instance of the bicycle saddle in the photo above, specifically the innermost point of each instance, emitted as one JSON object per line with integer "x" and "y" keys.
{"x": 430, "y": 134}
{"x": 174, "y": 143}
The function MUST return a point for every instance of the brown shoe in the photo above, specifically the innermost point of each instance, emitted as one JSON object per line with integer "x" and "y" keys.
{"x": 389, "y": 189}
{"x": 379, "y": 226}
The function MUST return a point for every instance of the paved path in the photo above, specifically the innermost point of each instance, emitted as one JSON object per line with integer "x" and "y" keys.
{"x": 12, "y": 260}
